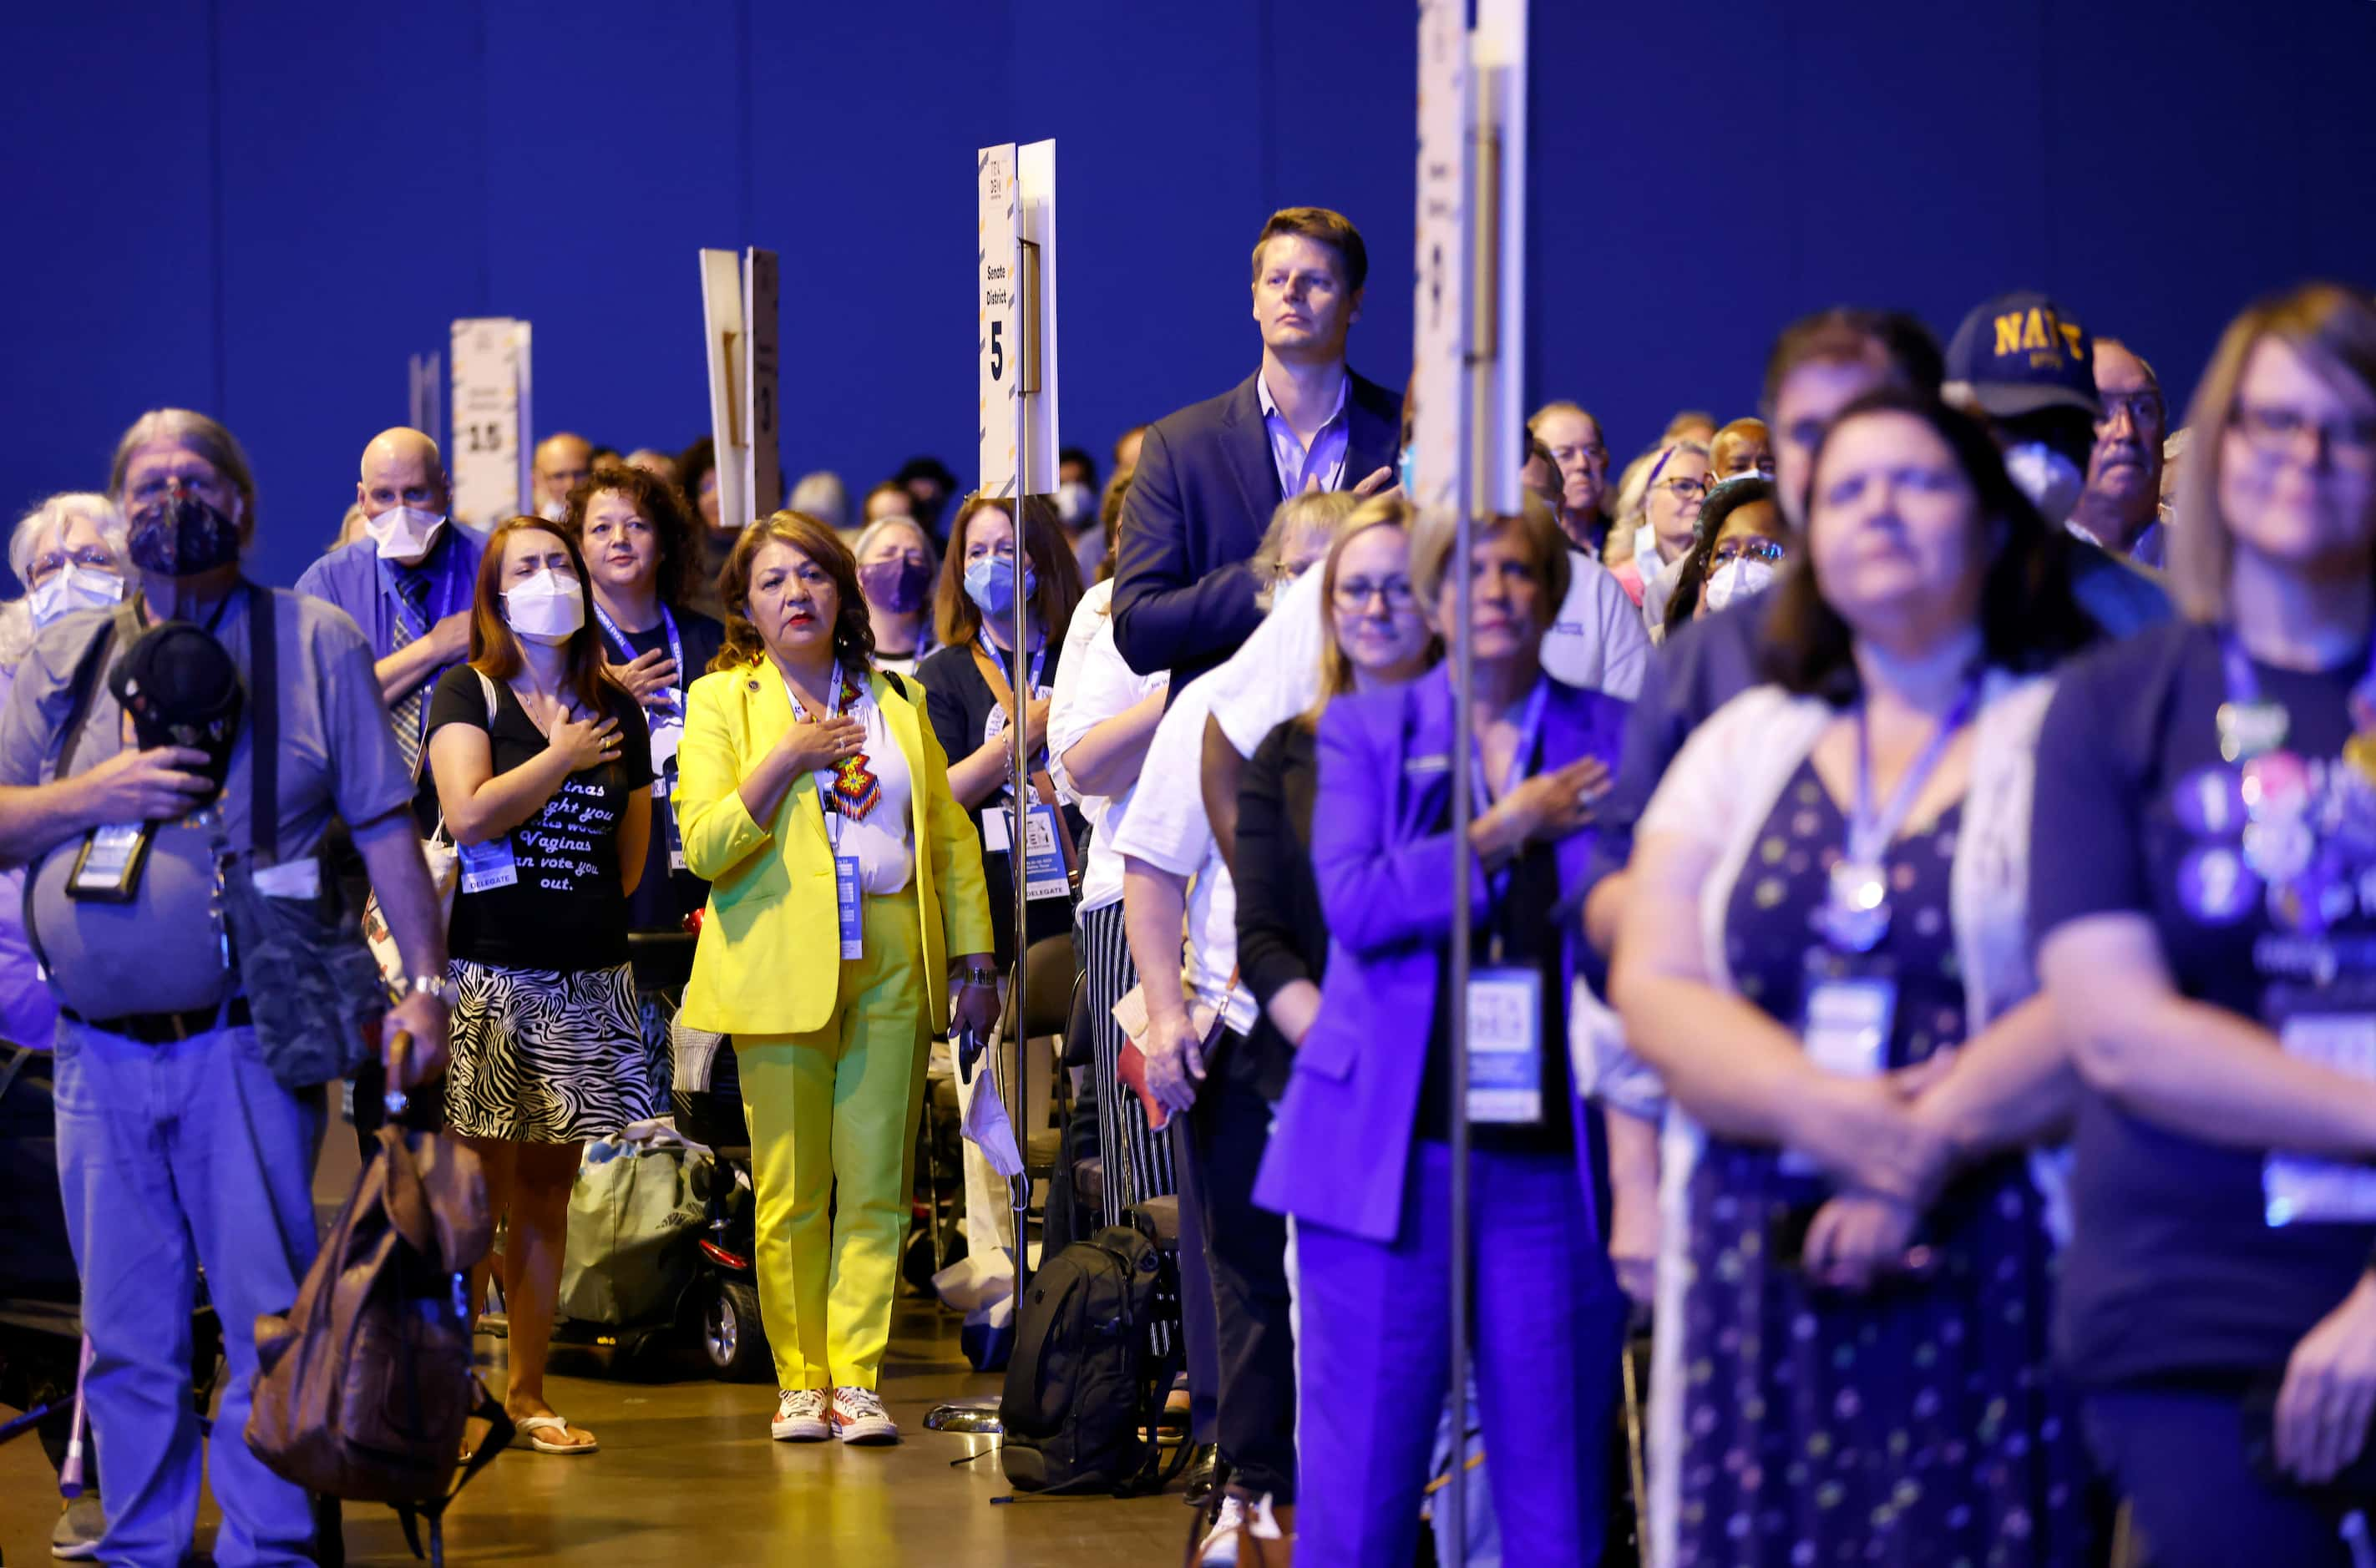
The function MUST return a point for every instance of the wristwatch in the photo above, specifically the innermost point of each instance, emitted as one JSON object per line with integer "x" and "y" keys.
{"x": 977, "y": 975}
{"x": 448, "y": 994}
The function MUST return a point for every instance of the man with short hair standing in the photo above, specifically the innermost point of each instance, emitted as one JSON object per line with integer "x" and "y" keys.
{"x": 187, "y": 1141}
{"x": 1209, "y": 476}
{"x": 563, "y": 461}
{"x": 1574, "y": 439}
{"x": 2120, "y": 508}
{"x": 409, "y": 582}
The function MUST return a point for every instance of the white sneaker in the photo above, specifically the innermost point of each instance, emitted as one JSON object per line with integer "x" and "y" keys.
{"x": 862, "y": 1418}
{"x": 1220, "y": 1547}
{"x": 799, "y": 1417}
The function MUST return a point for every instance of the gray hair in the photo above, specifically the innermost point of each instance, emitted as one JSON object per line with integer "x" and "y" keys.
{"x": 822, "y": 496}
{"x": 194, "y": 431}
{"x": 24, "y": 541}
{"x": 880, "y": 526}
{"x": 55, "y": 512}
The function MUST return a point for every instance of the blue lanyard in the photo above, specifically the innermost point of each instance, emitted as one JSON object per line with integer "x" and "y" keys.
{"x": 1529, "y": 725}
{"x": 1039, "y": 658}
{"x": 1869, "y": 830}
{"x": 676, "y": 646}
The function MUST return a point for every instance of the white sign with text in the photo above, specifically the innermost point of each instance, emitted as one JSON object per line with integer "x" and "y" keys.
{"x": 488, "y": 460}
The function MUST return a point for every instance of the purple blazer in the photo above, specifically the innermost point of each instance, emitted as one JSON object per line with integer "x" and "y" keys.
{"x": 1340, "y": 1148}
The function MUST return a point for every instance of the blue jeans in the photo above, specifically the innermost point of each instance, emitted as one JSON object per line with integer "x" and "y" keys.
{"x": 172, "y": 1157}
{"x": 1548, "y": 1322}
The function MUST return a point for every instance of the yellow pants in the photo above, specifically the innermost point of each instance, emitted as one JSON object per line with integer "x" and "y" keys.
{"x": 834, "y": 1112}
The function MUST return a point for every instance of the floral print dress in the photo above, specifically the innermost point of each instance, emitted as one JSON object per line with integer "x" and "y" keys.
{"x": 1913, "y": 1425}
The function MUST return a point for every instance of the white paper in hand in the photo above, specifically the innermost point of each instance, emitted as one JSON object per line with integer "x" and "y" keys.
{"x": 984, "y": 1121}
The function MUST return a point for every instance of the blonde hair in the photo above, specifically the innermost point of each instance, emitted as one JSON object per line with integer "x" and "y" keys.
{"x": 1306, "y": 512}
{"x": 1335, "y": 669}
{"x": 2331, "y": 326}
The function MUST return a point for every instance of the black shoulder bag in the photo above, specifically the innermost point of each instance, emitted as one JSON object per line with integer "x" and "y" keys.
{"x": 312, "y": 984}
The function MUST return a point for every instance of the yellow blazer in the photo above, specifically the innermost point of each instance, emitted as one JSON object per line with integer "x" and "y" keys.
{"x": 767, "y": 961}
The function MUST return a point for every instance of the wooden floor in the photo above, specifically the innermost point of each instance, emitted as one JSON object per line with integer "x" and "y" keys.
{"x": 687, "y": 1475}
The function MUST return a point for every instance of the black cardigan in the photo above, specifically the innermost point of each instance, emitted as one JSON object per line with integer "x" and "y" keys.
{"x": 1282, "y": 935}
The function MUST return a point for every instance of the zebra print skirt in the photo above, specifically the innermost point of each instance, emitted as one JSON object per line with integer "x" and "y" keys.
{"x": 541, "y": 1056}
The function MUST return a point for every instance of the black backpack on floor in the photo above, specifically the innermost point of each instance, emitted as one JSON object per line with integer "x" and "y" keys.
{"x": 1085, "y": 1388}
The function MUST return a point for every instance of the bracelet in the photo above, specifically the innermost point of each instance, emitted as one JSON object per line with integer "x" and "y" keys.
{"x": 444, "y": 991}
{"x": 986, "y": 978}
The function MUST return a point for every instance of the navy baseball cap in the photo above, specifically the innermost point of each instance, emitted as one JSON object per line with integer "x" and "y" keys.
{"x": 2019, "y": 353}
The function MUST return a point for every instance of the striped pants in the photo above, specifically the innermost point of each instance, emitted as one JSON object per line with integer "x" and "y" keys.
{"x": 1137, "y": 1161}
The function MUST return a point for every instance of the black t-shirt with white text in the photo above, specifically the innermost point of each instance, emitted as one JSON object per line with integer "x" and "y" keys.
{"x": 565, "y": 910}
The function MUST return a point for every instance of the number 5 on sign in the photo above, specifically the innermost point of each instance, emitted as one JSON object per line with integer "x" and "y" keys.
{"x": 1015, "y": 301}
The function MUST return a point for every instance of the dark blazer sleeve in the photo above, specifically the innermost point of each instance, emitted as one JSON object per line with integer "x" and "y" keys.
{"x": 1169, "y": 611}
{"x": 1269, "y": 860}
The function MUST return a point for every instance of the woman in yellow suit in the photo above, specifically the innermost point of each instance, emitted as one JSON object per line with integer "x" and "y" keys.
{"x": 813, "y": 799}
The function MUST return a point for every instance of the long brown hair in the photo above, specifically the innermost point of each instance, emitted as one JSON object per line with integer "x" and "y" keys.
{"x": 853, "y": 631}
{"x": 496, "y": 651}
{"x": 957, "y": 620}
{"x": 2332, "y": 326}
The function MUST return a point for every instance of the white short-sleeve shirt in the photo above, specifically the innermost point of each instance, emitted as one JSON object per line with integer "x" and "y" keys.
{"x": 1167, "y": 828}
{"x": 1093, "y": 684}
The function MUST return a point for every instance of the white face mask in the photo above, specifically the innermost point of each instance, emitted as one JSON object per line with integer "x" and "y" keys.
{"x": 553, "y": 511}
{"x": 1738, "y": 579}
{"x": 548, "y": 607}
{"x": 1076, "y": 504}
{"x": 2051, "y": 480}
{"x": 74, "y": 587}
{"x": 403, "y": 534}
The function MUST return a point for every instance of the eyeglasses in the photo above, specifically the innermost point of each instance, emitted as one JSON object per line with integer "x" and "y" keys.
{"x": 50, "y": 562}
{"x": 2274, "y": 431}
{"x": 1754, "y": 548}
{"x": 1354, "y": 594}
{"x": 1595, "y": 453}
{"x": 1685, "y": 489}
{"x": 2145, "y": 410}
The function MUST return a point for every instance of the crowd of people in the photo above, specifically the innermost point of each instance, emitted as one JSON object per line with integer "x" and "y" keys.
{"x": 1921, "y": 916}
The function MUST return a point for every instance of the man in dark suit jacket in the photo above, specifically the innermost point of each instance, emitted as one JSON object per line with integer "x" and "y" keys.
{"x": 1209, "y": 476}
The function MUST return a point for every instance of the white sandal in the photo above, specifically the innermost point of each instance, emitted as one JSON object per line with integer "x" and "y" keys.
{"x": 527, "y": 1426}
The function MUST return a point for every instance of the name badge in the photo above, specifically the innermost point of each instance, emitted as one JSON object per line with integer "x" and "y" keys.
{"x": 489, "y": 865}
{"x": 107, "y": 868}
{"x": 1043, "y": 862}
{"x": 291, "y": 879}
{"x": 846, "y": 906}
{"x": 1505, "y": 1046}
{"x": 666, "y": 733}
{"x": 2297, "y": 1189}
{"x": 666, "y": 807}
{"x": 1846, "y": 1031}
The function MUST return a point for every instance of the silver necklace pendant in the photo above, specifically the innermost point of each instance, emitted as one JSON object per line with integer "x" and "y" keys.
{"x": 1856, "y": 917}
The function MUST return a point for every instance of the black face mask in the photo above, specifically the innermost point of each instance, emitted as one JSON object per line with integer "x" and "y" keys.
{"x": 182, "y": 536}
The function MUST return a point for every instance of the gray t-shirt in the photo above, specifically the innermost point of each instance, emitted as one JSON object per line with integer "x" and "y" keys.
{"x": 338, "y": 757}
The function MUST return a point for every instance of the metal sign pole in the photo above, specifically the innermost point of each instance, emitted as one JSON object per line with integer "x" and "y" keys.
{"x": 1019, "y": 765}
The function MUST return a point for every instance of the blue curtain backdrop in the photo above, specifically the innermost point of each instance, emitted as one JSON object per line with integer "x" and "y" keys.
{"x": 260, "y": 208}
